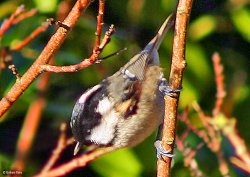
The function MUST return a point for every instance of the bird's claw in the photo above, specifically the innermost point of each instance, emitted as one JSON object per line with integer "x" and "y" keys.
{"x": 160, "y": 151}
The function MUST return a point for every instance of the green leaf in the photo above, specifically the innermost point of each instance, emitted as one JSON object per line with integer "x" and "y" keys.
{"x": 202, "y": 27}
{"x": 198, "y": 62}
{"x": 46, "y": 6}
{"x": 122, "y": 163}
{"x": 241, "y": 20}
{"x": 8, "y": 7}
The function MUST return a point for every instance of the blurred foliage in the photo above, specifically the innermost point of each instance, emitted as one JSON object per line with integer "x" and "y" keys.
{"x": 221, "y": 26}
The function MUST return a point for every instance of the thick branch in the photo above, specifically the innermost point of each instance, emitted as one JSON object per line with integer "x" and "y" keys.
{"x": 53, "y": 45}
{"x": 176, "y": 75}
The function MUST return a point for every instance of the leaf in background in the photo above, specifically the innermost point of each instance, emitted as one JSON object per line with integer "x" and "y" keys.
{"x": 197, "y": 61}
{"x": 8, "y": 7}
{"x": 5, "y": 163}
{"x": 202, "y": 27}
{"x": 198, "y": 73}
{"x": 46, "y": 6}
{"x": 241, "y": 20}
{"x": 189, "y": 94}
{"x": 122, "y": 163}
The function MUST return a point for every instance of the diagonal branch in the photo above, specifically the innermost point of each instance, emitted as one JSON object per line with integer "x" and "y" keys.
{"x": 9, "y": 22}
{"x": 77, "y": 162}
{"x": 51, "y": 48}
{"x": 86, "y": 62}
{"x": 34, "y": 34}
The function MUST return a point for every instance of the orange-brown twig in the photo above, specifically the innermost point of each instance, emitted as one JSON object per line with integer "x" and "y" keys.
{"x": 99, "y": 24}
{"x": 27, "y": 134}
{"x": 14, "y": 70}
{"x": 211, "y": 134}
{"x": 242, "y": 158}
{"x": 50, "y": 49}
{"x": 6, "y": 61}
{"x": 86, "y": 62}
{"x": 34, "y": 114}
{"x": 61, "y": 144}
{"x": 9, "y": 22}
{"x": 25, "y": 15}
{"x": 63, "y": 9}
{"x": 27, "y": 40}
{"x": 214, "y": 142}
{"x": 30, "y": 125}
{"x": 176, "y": 74}
{"x": 75, "y": 163}
{"x": 219, "y": 79}
{"x": 189, "y": 155}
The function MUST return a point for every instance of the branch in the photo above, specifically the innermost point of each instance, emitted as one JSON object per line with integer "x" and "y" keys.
{"x": 242, "y": 158}
{"x": 61, "y": 145}
{"x": 25, "y": 15}
{"x": 7, "y": 61}
{"x": 176, "y": 74}
{"x": 9, "y": 22}
{"x": 86, "y": 62}
{"x": 75, "y": 163}
{"x": 34, "y": 34}
{"x": 50, "y": 49}
{"x": 219, "y": 79}
{"x": 30, "y": 124}
{"x": 99, "y": 24}
{"x": 189, "y": 155}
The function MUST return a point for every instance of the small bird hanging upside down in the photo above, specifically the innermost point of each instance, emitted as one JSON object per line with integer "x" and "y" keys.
{"x": 126, "y": 107}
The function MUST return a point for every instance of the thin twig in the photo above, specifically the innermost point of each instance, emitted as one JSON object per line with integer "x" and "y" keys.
{"x": 9, "y": 22}
{"x": 27, "y": 40}
{"x": 242, "y": 159}
{"x": 61, "y": 145}
{"x": 189, "y": 153}
{"x": 33, "y": 116}
{"x": 58, "y": 23}
{"x": 214, "y": 142}
{"x": 99, "y": 24}
{"x": 75, "y": 163}
{"x": 201, "y": 133}
{"x": 209, "y": 129}
{"x": 50, "y": 49}
{"x": 14, "y": 71}
{"x": 219, "y": 79}
{"x": 176, "y": 74}
{"x": 27, "y": 133}
{"x": 25, "y": 15}
{"x": 30, "y": 124}
{"x": 7, "y": 61}
{"x": 86, "y": 62}
{"x": 63, "y": 9}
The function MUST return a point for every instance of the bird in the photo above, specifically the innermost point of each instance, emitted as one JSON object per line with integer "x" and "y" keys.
{"x": 126, "y": 107}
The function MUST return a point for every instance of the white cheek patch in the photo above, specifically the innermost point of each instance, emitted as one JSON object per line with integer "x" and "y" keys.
{"x": 105, "y": 131}
{"x": 104, "y": 106}
{"x": 88, "y": 93}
